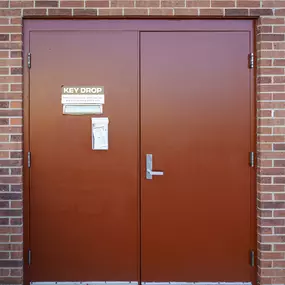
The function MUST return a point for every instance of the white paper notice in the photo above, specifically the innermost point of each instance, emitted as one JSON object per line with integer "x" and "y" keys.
{"x": 100, "y": 133}
{"x": 82, "y": 99}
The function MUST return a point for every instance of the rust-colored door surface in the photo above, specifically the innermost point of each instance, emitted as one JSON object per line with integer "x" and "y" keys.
{"x": 83, "y": 203}
{"x": 176, "y": 92}
{"x": 195, "y": 121}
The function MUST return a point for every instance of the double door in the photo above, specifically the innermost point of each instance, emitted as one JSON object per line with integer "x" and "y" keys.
{"x": 179, "y": 92}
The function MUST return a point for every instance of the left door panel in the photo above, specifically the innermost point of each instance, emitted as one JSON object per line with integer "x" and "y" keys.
{"x": 83, "y": 203}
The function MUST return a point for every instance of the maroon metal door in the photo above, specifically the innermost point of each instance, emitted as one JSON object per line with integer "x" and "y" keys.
{"x": 195, "y": 121}
{"x": 84, "y": 219}
{"x": 83, "y": 203}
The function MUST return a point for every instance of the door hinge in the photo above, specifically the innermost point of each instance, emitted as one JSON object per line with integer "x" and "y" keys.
{"x": 29, "y": 60}
{"x": 29, "y": 257}
{"x": 251, "y": 60}
{"x": 251, "y": 159}
{"x": 29, "y": 159}
{"x": 252, "y": 258}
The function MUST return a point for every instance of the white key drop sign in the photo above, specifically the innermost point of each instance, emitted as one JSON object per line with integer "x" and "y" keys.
{"x": 80, "y": 95}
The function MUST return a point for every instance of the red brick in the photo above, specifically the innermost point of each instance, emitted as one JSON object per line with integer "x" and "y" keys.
{"x": 265, "y": 213}
{"x": 70, "y": 4}
{"x": 279, "y": 113}
{"x": 16, "y": 21}
{"x": 110, "y": 12}
{"x": 264, "y": 45}
{"x": 264, "y": 79}
{"x": 264, "y": 146}
{"x": 198, "y": 3}
{"x": 172, "y": 3}
{"x": 271, "y": 53}
{"x": 4, "y": 4}
{"x": 96, "y": 4}
{"x": 272, "y": 205}
{"x": 11, "y": 280}
{"x": 135, "y": 11}
{"x": 4, "y": 138}
{"x": 271, "y": 37}
{"x": 272, "y": 272}
{"x": 261, "y": 12}
{"x": 21, "y": 4}
{"x": 161, "y": 12}
{"x": 264, "y": 113}
{"x": 265, "y": 264}
{"x": 223, "y": 4}
{"x": 85, "y": 12}
{"x": 34, "y": 12}
{"x": 264, "y": 180}
{"x": 279, "y": 146}
{"x": 279, "y": 197}
{"x": 46, "y": 3}
{"x": 279, "y": 263}
{"x": 264, "y": 96}
{"x": 279, "y": 180}
{"x": 122, "y": 3}
{"x": 265, "y": 230}
{"x": 10, "y": 12}
{"x": 59, "y": 12}
{"x": 4, "y": 53}
{"x": 272, "y": 255}
{"x": 248, "y": 4}
{"x": 211, "y": 12}
{"x": 279, "y": 62}
{"x": 280, "y": 12}
{"x": 265, "y": 247}
{"x": 279, "y": 230}
{"x": 279, "y": 130}
{"x": 16, "y": 204}
{"x": 16, "y": 272}
{"x": 279, "y": 45}
{"x": 4, "y": 154}
{"x": 271, "y": 222}
{"x": 236, "y": 12}
{"x": 278, "y": 96}
{"x": 266, "y": 138}
{"x": 272, "y": 20}
{"x": 279, "y": 29}
{"x": 272, "y": 171}
{"x": 271, "y": 71}
{"x": 16, "y": 255}
{"x": 273, "y": 3}
{"x": 264, "y": 29}
{"x": 186, "y": 11}
{"x": 16, "y": 238}
{"x": 279, "y": 163}
{"x": 265, "y": 196}
{"x": 147, "y": 3}
{"x": 4, "y": 272}
{"x": 271, "y": 122}
{"x": 4, "y": 238}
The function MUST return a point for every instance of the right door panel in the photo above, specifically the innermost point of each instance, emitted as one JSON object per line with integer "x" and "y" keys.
{"x": 195, "y": 92}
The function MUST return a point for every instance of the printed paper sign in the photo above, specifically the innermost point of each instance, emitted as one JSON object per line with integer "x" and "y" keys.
{"x": 78, "y": 95}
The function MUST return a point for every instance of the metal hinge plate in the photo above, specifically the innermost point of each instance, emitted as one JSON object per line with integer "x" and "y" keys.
{"x": 29, "y": 257}
{"x": 251, "y": 60}
{"x": 29, "y": 159}
{"x": 29, "y": 60}
{"x": 251, "y": 159}
{"x": 252, "y": 258}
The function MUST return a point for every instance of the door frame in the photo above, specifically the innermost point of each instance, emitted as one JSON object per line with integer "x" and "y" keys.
{"x": 139, "y": 24}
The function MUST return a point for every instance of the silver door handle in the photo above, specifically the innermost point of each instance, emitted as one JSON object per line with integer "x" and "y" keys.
{"x": 149, "y": 171}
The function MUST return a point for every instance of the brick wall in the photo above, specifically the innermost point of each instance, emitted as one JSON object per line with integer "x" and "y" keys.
{"x": 271, "y": 114}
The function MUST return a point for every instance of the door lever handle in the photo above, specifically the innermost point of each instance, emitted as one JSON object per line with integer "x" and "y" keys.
{"x": 155, "y": 172}
{"x": 149, "y": 171}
